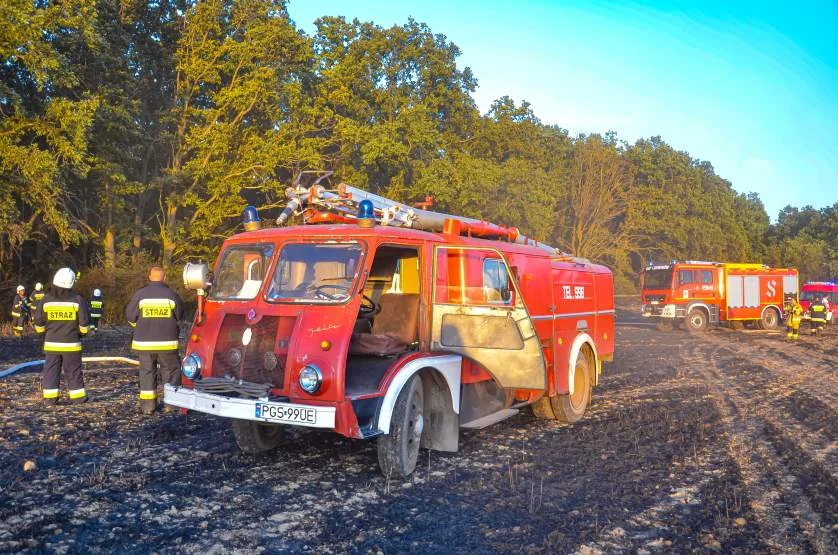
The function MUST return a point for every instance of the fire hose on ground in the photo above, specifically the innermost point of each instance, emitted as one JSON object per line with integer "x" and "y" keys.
{"x": 32, "y": 363}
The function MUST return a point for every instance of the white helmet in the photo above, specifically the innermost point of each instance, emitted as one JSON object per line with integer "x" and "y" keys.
{"x": 65, "y": 277}
{"x": 97, "y": 292}
{"x": 39, "y": 286}
{"x": 20, "y": 288}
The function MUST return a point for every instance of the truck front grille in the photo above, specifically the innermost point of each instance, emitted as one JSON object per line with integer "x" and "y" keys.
{"x": 262, "y": 361}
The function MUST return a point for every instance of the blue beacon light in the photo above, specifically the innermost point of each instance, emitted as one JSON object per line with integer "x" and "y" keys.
{"x": 366, "y": 214}
{"x": 250, "y": 218}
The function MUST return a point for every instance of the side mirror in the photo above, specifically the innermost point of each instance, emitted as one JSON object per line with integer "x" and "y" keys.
{"x": 196, "y": 276}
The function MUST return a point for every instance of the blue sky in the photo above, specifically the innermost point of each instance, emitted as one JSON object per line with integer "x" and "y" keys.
{"x": 751, "y": 87}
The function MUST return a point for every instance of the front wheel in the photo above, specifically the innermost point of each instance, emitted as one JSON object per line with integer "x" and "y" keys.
{"x": 697, "y": 320}
{"x": 571, "y": 408}
{"x": 253, "y": 437}
{"x": 398, "y": 451}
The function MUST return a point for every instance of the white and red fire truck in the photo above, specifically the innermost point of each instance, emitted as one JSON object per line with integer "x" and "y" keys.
{"x": 698, "y": 294}
{"x": 390, "y": 322}
{"x": 818, "y": 290}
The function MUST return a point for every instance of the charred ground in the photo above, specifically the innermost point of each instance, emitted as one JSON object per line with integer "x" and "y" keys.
{"x": 724, "y": 441}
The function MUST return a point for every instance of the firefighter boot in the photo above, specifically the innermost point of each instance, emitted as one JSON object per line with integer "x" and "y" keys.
{"x": 148, "y": 406}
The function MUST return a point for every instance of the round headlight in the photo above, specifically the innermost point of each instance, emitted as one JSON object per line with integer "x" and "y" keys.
{"x": 310, "y": 378}
{"x": 191, "y": 366}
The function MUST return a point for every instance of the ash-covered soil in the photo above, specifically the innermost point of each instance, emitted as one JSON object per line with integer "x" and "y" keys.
{"x": 722, "y": 441}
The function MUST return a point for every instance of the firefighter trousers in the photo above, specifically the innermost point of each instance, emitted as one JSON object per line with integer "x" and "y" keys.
{"x": 156, "y": 367}
{"x": 73, "y": 373}
{"x": 94, "y": 321}
{"x": 19, "y": 323}
{"x": 817, "y": 324}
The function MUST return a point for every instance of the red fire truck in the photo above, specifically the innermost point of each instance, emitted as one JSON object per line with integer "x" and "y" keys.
{"x": 698, "y": 294}
{"x": 818, "y": 290}
{"x": 390, "y": 322}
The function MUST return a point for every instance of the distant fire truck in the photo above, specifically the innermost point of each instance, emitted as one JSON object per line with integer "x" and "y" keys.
{"x": 818, "y": 290}
{"x": 698, "y": 294}
{"x": 390, "y": 322}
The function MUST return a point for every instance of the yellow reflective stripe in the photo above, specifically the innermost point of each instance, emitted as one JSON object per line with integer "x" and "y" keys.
{"x": 62, "y": 304}
{"x": 84, "y": 329}
{"x": 50, "y": 393}
{"x": 148, "y": 395}
{"x": 132, "y": 324}
{"x": 96, "y": 304}
{"x": 16, "y": 314}
{"x": 59, "y": 347}
{"x": 20, "y": 328}
{"x": 40, "y": 329}
{"x": 77, "y": 393}
{"x": 154, "y": 345}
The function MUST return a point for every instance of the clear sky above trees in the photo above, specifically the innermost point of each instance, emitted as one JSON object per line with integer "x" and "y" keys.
{"x": 750, "y": 86}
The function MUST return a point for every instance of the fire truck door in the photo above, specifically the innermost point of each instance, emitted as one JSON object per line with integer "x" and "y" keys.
{"x": 478, "y": 312}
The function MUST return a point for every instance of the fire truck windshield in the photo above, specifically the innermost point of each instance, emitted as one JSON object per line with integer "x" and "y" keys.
{"x": 240, "y": 272}
{"x": 315, "y": 272}
{"x": 657, "y": 279}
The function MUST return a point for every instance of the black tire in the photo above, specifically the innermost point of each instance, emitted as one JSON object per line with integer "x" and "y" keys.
{"x": 770, "y": 319}
{"x": 398, "y": 451}
{"x": 696, "y": 320}
{"x": 254, "y": 437}
{"x": 571, "y": 408}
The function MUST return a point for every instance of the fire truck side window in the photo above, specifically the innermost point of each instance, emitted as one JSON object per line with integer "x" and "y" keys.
{"x": 240, "y": 272}
{"x": 707, "y": 277}
{"x": 687, "y": 277}
{"x": 472, "y": 277}
{"x": 496, "y": 281}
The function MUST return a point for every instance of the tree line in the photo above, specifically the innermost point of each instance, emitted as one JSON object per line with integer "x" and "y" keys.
{"x": 133, "y": 131}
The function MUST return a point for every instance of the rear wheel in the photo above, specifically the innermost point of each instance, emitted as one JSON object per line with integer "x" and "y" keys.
{"x": 770, "y": 319}
{"x": 697, "y": 320}
{"x": 571, "y": 408}
{"x": 398, "y": 451}
{"x": 254, "y": 437}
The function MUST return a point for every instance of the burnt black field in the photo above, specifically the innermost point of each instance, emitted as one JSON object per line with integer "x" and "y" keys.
{"x": 722, "y": 441}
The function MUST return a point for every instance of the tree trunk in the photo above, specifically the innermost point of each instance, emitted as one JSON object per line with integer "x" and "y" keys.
{"x": 167, "y": 233}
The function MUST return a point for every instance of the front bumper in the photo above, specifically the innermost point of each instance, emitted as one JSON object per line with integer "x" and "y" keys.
{"x": 243, "y": 409}
{"x": 661, "y": 311}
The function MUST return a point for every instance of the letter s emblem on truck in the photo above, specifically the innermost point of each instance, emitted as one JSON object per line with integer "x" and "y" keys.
{"x": 772, "y": 288}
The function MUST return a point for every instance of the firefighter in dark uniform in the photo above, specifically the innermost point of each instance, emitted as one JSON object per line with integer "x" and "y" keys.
{"x": 20, "y": 311}
{"x": 817, "y": 311}
{"x": 97, "y": 308}
{"x": 154, "y": 312}
{"x": 62, "y": 316}
{"x": 794, "y": 312}
{"x": 37, "y": 295}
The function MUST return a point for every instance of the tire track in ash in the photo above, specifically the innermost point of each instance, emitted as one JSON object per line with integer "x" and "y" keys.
{"x": 803, "y": 375}
{"x": 804, "y": 419}
{"x": 793, "y": 353}
{"x": 783, "y": 509}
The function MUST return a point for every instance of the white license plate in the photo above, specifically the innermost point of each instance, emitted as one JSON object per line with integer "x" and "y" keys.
{"x": 289, "y": 414}
{"x": 654, "y": 302}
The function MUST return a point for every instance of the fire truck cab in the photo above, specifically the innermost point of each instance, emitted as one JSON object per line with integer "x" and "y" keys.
{"x": 698, "y": 294}
{"x": 818, "y": 290}
{"x": 392, "y": 333}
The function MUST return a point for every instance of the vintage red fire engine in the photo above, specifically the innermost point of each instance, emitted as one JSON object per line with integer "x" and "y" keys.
{"x": 395, "y": 323}
{"x": 699, "y": 294}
